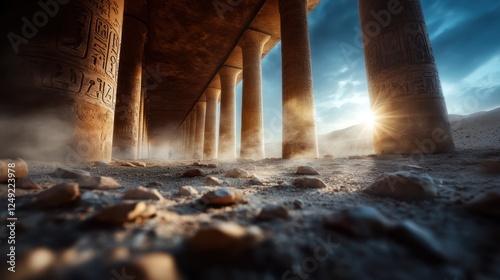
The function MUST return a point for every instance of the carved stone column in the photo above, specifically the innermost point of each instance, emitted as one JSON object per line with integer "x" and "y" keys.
{"x": 299, "y": 124}
{"x": 60, "y": 79}
{"x": 126, "y": 128}
{"x": 227, "y": 130}
{"x": 210, "y": 145}
{"x": 192, "y": 133}
{"x": 252, "y": 118}
{"x": 200, "y": 129}
{"x": 187, "y": 141}
{"x": 403, "y": 80}
{"x": 141, "y": 124}
{"x": 183, "y": 140}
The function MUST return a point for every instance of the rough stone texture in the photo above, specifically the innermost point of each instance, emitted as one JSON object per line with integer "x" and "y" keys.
{"x": 58, "y": 195}
{"x": 237, "y": 173}
{"x": 306, "y": 170}
{"x": 142, "y": 193}
{"x": 188, "y": 191}
{"x": 404, "y": 185}
{"x": 273, "y": 211}
{"x": 359, "y": 221}
{"x": 71, "y": 173}
{"x": 120, "y": 213}
{"x": 154, "y": 266}
{"x": 20, "y": 170}
{"x": 404, "y": 85}
{"x": 193, "y": 173}
{"x": 101, "y": 182}
{"x": 65, "y": 81}
{"x": 227, "y": 131}
{"x": 213, "y": 181}
{"x": 221, "y": 197}
{"x": 309, "y": 182}
{"x": 486, "y": 204}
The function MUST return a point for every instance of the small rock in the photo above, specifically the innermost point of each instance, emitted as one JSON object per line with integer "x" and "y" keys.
{"x": 492, "y": 166}
{"x": 419, "y": 240}
{"x": 20, "y": 169}
{"x": 212, "y": 165}
{"x": 120, "y": 213}
{"x": 193, "y": 173}
{"x": 273, "y": 211}
{"x": 99, "y": 163}
{"x": 237, "y": 173}
{"x": 35, "y": 264}
{"x": 306, "y": 170}
{"x": 309, "y": 182}
{"x": 404, "y": 185}
{"x": 58, "y": 195}
{"x": 256, "y": 181}
{"x": 359, "y": 222}
{"x": 355, "y": 157}
{"x": 89, "y": 196}
{"x": 154, "y": 184}
{"x": 27, "y": 184}
{"x": 298, "y": 204}
{"x": 222, "y": 197}
{"x": 141, "y": 193}
{"x": 71, "y": 173}
{"x": 139, "y": 163}
{"x": 100, "y": 182}
{"x": 285, "y": 185}
{"x": 213, "y": 181}
{"x": 225, "y": 240}
{"x": 486, "y": 204}
{"x": 125, "y": 163}
{"x": 328, "y": 156}
{"x": 153, "y": 266}
{"x": 188, "y": 191}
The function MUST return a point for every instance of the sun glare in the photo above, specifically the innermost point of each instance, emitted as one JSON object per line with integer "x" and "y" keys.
{"x": 369, "y": 119}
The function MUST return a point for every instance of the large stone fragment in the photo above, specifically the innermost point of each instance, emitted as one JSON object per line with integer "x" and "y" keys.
{"x": 404, "y": 185}
{"x": 273, "y": 211}
{"x": 101, "y": 182}
{"x": 306, "y": 170}
{"x": 58, "y": 195}
{"x": 141, "y": 193}
{"x": 121, "y": 213}
{"x": 487, "y": 204}
{"x": 154, "y": 266}
{"x": 237, "y": 173}
{"x": 309, "y": 182}
{"x": 71, "y": 173}
{"x": 222, "y": 197}
{"x": 359, "y": 222}
{"x": 19, "y": 166}
{"x": 193, "y": 173}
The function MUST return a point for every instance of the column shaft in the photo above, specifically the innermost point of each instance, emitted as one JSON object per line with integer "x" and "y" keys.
{"x": 200, "y": 129}
{"x": 192, "y": 134}
{"x": 252, "y": 119}
{"x": 299, "y": 124}
{"x": 405, "y": 90}
{"x": 227, "y": 130}
{"x": 210, "y": 145}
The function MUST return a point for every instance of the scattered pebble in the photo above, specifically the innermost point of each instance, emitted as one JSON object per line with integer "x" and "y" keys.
{"x": 212, "y": 165}
{"x": 213, "y": 181}
{"x": 306, "y": 170}
{"x": 99, "y": 163}
{"x": 20, "y": 169}
{"x": 27, "y": 184}
{"x": 154, "y": 184}
{"x": 222, "y": 197}
{"x": 122, "y": 213}
{"x": 125, "y": 163}
{"x": 58, "y": 195}
{"x": 486, "y": 204}
{"x": 193, "y": 173}
{"x": 71, "y": 173}
{"x": 141, "y": 193}
{"x": 298, "y": 204}
{"x": 256, "y": 181}
{"x": 273, "y": 211}
{"x": 309, "y": 182}
{"x": 492, "y": 166}
{"x": 153, "y": 266}
{"x": 188, "y": 191}
{"x": 139, "y": 163}
{"x": 35, "y": 264}
{"x": 101, "y": 182}
{"x": 237, "y": 173}
{"x": 359, "y": 222}
{"x": 404, "y": 185}
{"x": 328, "y": 156}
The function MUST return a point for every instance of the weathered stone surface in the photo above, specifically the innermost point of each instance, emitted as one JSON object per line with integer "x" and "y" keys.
{"x": 221, "y": 197}
{"x": 486, "y": 204}
{"x": 27, "y": 184}
{"x": 120, "y": 213}
{"x": 359, "y": 221}
{"x": 237, "y": 173}
{"x": 306, "y": 170}
{"x": 404, "y": 185}
{"x": 20, "y": 169}
{"x": 213, "y": 181}
{"x": 154, "y": 266}
{"x": 273, "y": 211}
{"x": 188, "y": 191}
{"x": 492, "y": 166}
{"x": 309, "y": 182}
{"x": 58, "y": 195}
{"x": 101, "y": 182}
{"x": 193, "y": 173}
{"x": 225, "y": 239}
{"x": 71, "y": 173}
{"x": 141, "y": 193}
{"x": 420, "y": 241}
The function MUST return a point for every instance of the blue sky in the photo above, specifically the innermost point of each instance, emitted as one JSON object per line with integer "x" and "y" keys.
{"x": 465, "y": 36}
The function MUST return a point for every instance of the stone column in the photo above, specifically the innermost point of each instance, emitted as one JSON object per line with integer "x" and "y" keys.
{"x": 227, "y": 129}
{"x": 405, "y": 90}
{"x": 126, "y": 127}
{"x": 200, "y": 129}
{"x": 59, "y": 80}
{"x": 299, "y": 124}
{"x": 252, "y": 119}
{"x": 192, "y": 134}
{"x": 210, "y": 145}
{"x": 145, "y": 139}
{"x": 141, "y": 123}
{"x": 187, "y": 141}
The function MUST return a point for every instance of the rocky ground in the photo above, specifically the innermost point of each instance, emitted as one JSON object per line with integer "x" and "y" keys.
{"x": 432, "y": 217}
